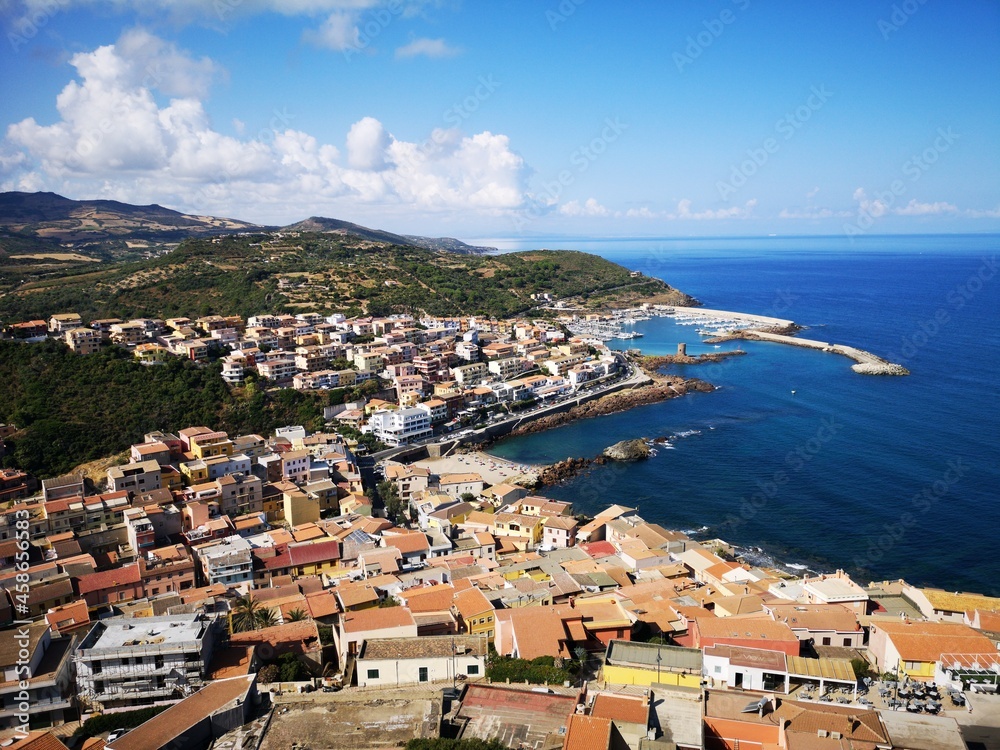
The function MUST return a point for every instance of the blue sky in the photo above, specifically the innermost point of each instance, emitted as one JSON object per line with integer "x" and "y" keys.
{"x": 515, "y": 119}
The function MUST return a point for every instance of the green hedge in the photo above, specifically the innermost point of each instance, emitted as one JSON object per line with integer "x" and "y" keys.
{"x": 96, "y": 725}
{"x": 537, "y": 671}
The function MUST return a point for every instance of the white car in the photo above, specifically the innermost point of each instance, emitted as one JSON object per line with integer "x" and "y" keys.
{"x": 116, "y": 734}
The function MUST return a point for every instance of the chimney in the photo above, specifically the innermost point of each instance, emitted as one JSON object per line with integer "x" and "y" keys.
{"x": 572, "y": 602}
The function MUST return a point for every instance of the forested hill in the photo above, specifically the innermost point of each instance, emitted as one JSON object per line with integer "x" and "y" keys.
{"x": 248, "y": 274}
{"x": 71, "y": 409}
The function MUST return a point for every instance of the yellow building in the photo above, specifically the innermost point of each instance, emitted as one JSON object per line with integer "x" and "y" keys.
{"x": 474, "y": 611}
{"x": 635, "y": 663}
{"x": 517, "y": 524}
{"x": 194, "y": 472}
{"x": 299, "y": 507}
{"x": 211, "y": 444}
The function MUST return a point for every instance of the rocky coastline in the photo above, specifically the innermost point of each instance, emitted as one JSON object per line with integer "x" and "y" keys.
{"x": 652, "y": 363}
{"x": 660, "y": 390}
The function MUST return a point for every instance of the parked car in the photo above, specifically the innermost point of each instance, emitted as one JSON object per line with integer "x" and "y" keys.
{"x": 115, "y": 734}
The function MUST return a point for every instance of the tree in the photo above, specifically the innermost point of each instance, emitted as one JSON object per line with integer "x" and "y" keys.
{"x": 389, "y": 493}
{"x": 296, "y": 615}
{"x": 246, "y": 614}
{"x": 467, "y": 497}
{"x": 267, "y": 618}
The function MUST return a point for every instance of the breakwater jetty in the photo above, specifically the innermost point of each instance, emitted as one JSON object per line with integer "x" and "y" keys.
{"x": 735, "y": 325}
{"x": 866, "y": 363}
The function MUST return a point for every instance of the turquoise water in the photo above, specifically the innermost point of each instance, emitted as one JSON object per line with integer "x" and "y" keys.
{"x": 885, "y": 477}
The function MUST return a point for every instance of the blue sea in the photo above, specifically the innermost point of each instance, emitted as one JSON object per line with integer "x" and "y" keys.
{"x": 885, "y": 477}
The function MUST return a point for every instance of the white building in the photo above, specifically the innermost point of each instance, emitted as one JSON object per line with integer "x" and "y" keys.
{"x": 227, "y": 561}
{"x": 401, "y": 426}
{"x": 36, "y": 670}
{"x": 126, "y": 661}
{"x": 387, "y": 662}
{"x": 142, "y": 476}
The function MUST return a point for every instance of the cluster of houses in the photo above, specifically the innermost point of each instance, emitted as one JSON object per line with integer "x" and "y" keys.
{"x": 428, "y": 372}
{"x": 133, "y": 593}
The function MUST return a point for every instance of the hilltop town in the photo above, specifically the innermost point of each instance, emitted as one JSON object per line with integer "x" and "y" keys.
{"x": 371, "y": 580}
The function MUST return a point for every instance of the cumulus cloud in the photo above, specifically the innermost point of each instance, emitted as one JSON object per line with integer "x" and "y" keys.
{"x": 338, "y": 32}
{"x": 114, "y": 139}
{"x": 367, "y": 142}
{"x": 589, "y": 208}
{"x": 427, "y": 48}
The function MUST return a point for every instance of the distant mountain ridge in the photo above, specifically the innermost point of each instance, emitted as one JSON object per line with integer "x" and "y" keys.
{"x": 106, "y": 228}
{"x": 338, "y": 226}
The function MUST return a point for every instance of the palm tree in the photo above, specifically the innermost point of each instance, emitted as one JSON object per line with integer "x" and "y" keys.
{"x": 296, "y": 615}
{"x": 245, "y": 614}
{"x": 266, "y": 618}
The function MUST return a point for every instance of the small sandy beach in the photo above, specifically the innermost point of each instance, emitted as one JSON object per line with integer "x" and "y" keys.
{"x": 493, "y": 470}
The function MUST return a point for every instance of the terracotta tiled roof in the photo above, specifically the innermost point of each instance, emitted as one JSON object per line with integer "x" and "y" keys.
{"x": 757, "y": 628}
{"x": 170, "y": 725}
{"x": 587, "y": 733}
{"x": 472, "y": 602}
{"x": 315, "y": 552}
{"x": 633, "y": 710}
{"x": 407, "y": 543}
{"x": 38, "y": 740}
{"x": 107, "y": 579}
{"x": 927, "y": 641}
{"x": 379, "y": 618}
{"x": 428, "y": 598}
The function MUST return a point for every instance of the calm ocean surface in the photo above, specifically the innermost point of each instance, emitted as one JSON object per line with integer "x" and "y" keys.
{"x": 885, "y": 477}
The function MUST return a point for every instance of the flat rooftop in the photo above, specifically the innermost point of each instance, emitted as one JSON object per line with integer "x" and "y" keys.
{"x": 138, "y": 632}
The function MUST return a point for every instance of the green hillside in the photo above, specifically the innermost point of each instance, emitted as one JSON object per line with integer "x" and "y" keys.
{"x": 297, "y": 272}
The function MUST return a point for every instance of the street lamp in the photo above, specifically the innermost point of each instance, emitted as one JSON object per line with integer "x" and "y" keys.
{"x": 659, "y": 658}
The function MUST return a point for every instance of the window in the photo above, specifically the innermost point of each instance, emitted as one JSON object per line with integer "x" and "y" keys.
{"x": 422, "y": 674}
{"x": 718, "y": 669}
{"x": 826, "y": 641}
{"x": 847, "y": 641}
{"x": 472, "y": 669}
{"x": 372, "y": 674}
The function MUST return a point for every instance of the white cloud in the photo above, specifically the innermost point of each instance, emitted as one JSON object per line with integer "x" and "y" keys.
{"x": 589, "y": 208}
{"x": 916, "y": 208}
{"x": 427, "y": 48}
{"x": 734, "y": 212}
{"x": 812, "y": 193}
{"x": 641, "y": 213}
{"x": 338, "y": 32}
{"x": 113, "y": 139}
{"x": 989, "y": 213}
{"x": 812, "y": 213}
{"x": 367, "y": 142}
